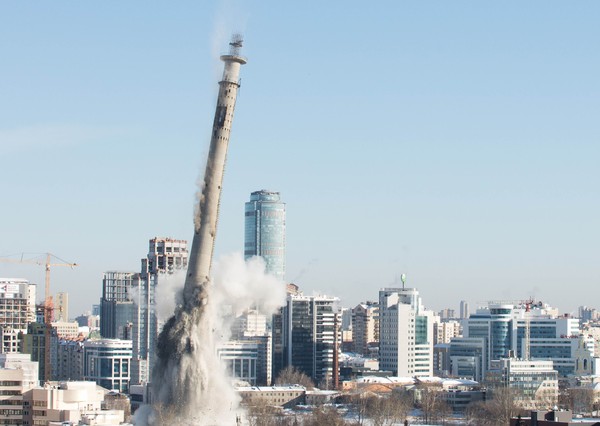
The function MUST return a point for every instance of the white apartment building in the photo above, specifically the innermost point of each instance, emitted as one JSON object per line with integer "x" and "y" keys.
{"x": 406, "y": 333}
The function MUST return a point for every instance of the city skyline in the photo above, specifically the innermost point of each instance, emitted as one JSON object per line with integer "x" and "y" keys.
{"x": 454, "y": 144}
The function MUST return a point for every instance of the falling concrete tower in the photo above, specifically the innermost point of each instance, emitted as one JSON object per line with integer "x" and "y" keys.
{"x": 208, "y": 205}
{"x": 183, "y": 380}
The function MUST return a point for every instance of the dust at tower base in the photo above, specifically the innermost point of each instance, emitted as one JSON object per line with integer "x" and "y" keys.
{"x": 181, "y": 376}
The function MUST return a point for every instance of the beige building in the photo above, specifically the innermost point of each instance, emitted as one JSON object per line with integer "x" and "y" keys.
{"x": 365, "y": 327}
{"x": 284, "y": 396}
{"x": 443, "y": 331}
{"x": 18, "y": 374}
{"x": 66, "y": 330}
{"x": 68, "y": 402}
{"x": 61, "y": 307}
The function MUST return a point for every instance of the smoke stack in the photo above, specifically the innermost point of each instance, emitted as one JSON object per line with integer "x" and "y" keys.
{"x": 205, "y": 223}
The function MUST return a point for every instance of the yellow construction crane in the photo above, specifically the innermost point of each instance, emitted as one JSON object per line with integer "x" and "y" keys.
{"x": 48, "y": 305}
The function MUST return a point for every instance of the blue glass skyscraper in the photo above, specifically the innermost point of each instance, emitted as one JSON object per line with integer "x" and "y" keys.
{"x": 265, "y": 230}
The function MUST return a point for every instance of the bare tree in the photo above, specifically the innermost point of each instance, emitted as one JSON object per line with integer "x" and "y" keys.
{"x": 259, "y": 413}
{"x": 325, "y": 415}
{"x": 433, "y": 405}
{"x": 292, "y": 376}
{"x": 582, "y": 400}
{"x": 495, "y": 412}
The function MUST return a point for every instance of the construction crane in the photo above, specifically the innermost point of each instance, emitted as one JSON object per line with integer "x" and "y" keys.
{"x": 48, "y": 304}
{"x": 527, "y": 332}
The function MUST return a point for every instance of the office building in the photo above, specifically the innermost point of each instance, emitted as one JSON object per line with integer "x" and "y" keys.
{"x": 250, "y": 330}
{"x": 502, "y": 328}
{"x": 241, "y": 359}
{"x": 116, "y": 305}
{"x": 535, "y": 381}
{"x": 108, "y": 363}
{"x": 365, "y": 328}
{"x": 588, "y": 314}
{"x": 264, "y": 233}
{"x": 308, "y": 338}
{"x": 165, "y": 256}
{"x": 406, "y": 333}
{"x": 468, "y": 357}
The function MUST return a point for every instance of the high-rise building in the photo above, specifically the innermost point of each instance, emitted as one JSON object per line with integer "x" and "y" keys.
{"x": 308, "y": 338}
{"x": 365, "y": 327}
{"x": 70, "y": 359}
{"x": 464, "y": 309}
{"x": 34, "y": 344}
{"x": 116, "y": 304}
{"x": 165, "y": 256}
{"x": 17, "y": 310}
{"x": 61, "y": 307}
{"x": 588, "y": 314}
{"x": 443, "y": 331}
{"x": 406, "y": 333}
{"x": 265, "y": 230}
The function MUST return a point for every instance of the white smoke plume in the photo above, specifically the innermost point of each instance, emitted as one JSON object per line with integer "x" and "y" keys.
{"x": 237, "y": 286}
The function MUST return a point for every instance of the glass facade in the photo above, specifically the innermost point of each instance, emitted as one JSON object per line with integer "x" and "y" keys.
{"x": 265, "y": 230}
{"x": 305, "y": 335}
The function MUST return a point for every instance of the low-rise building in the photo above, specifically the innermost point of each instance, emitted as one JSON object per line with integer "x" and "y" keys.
{"x": 284, "y": 396}
{"x": 68, "y": 402}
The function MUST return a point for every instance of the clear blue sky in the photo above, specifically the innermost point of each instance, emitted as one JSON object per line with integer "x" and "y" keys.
{"x": 456, "y": 142}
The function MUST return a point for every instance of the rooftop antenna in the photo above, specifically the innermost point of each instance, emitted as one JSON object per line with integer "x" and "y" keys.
{"x": 403, "y": 279}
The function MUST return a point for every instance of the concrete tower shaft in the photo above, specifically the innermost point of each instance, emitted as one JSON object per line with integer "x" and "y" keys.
{"x": 205, "y": 222}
